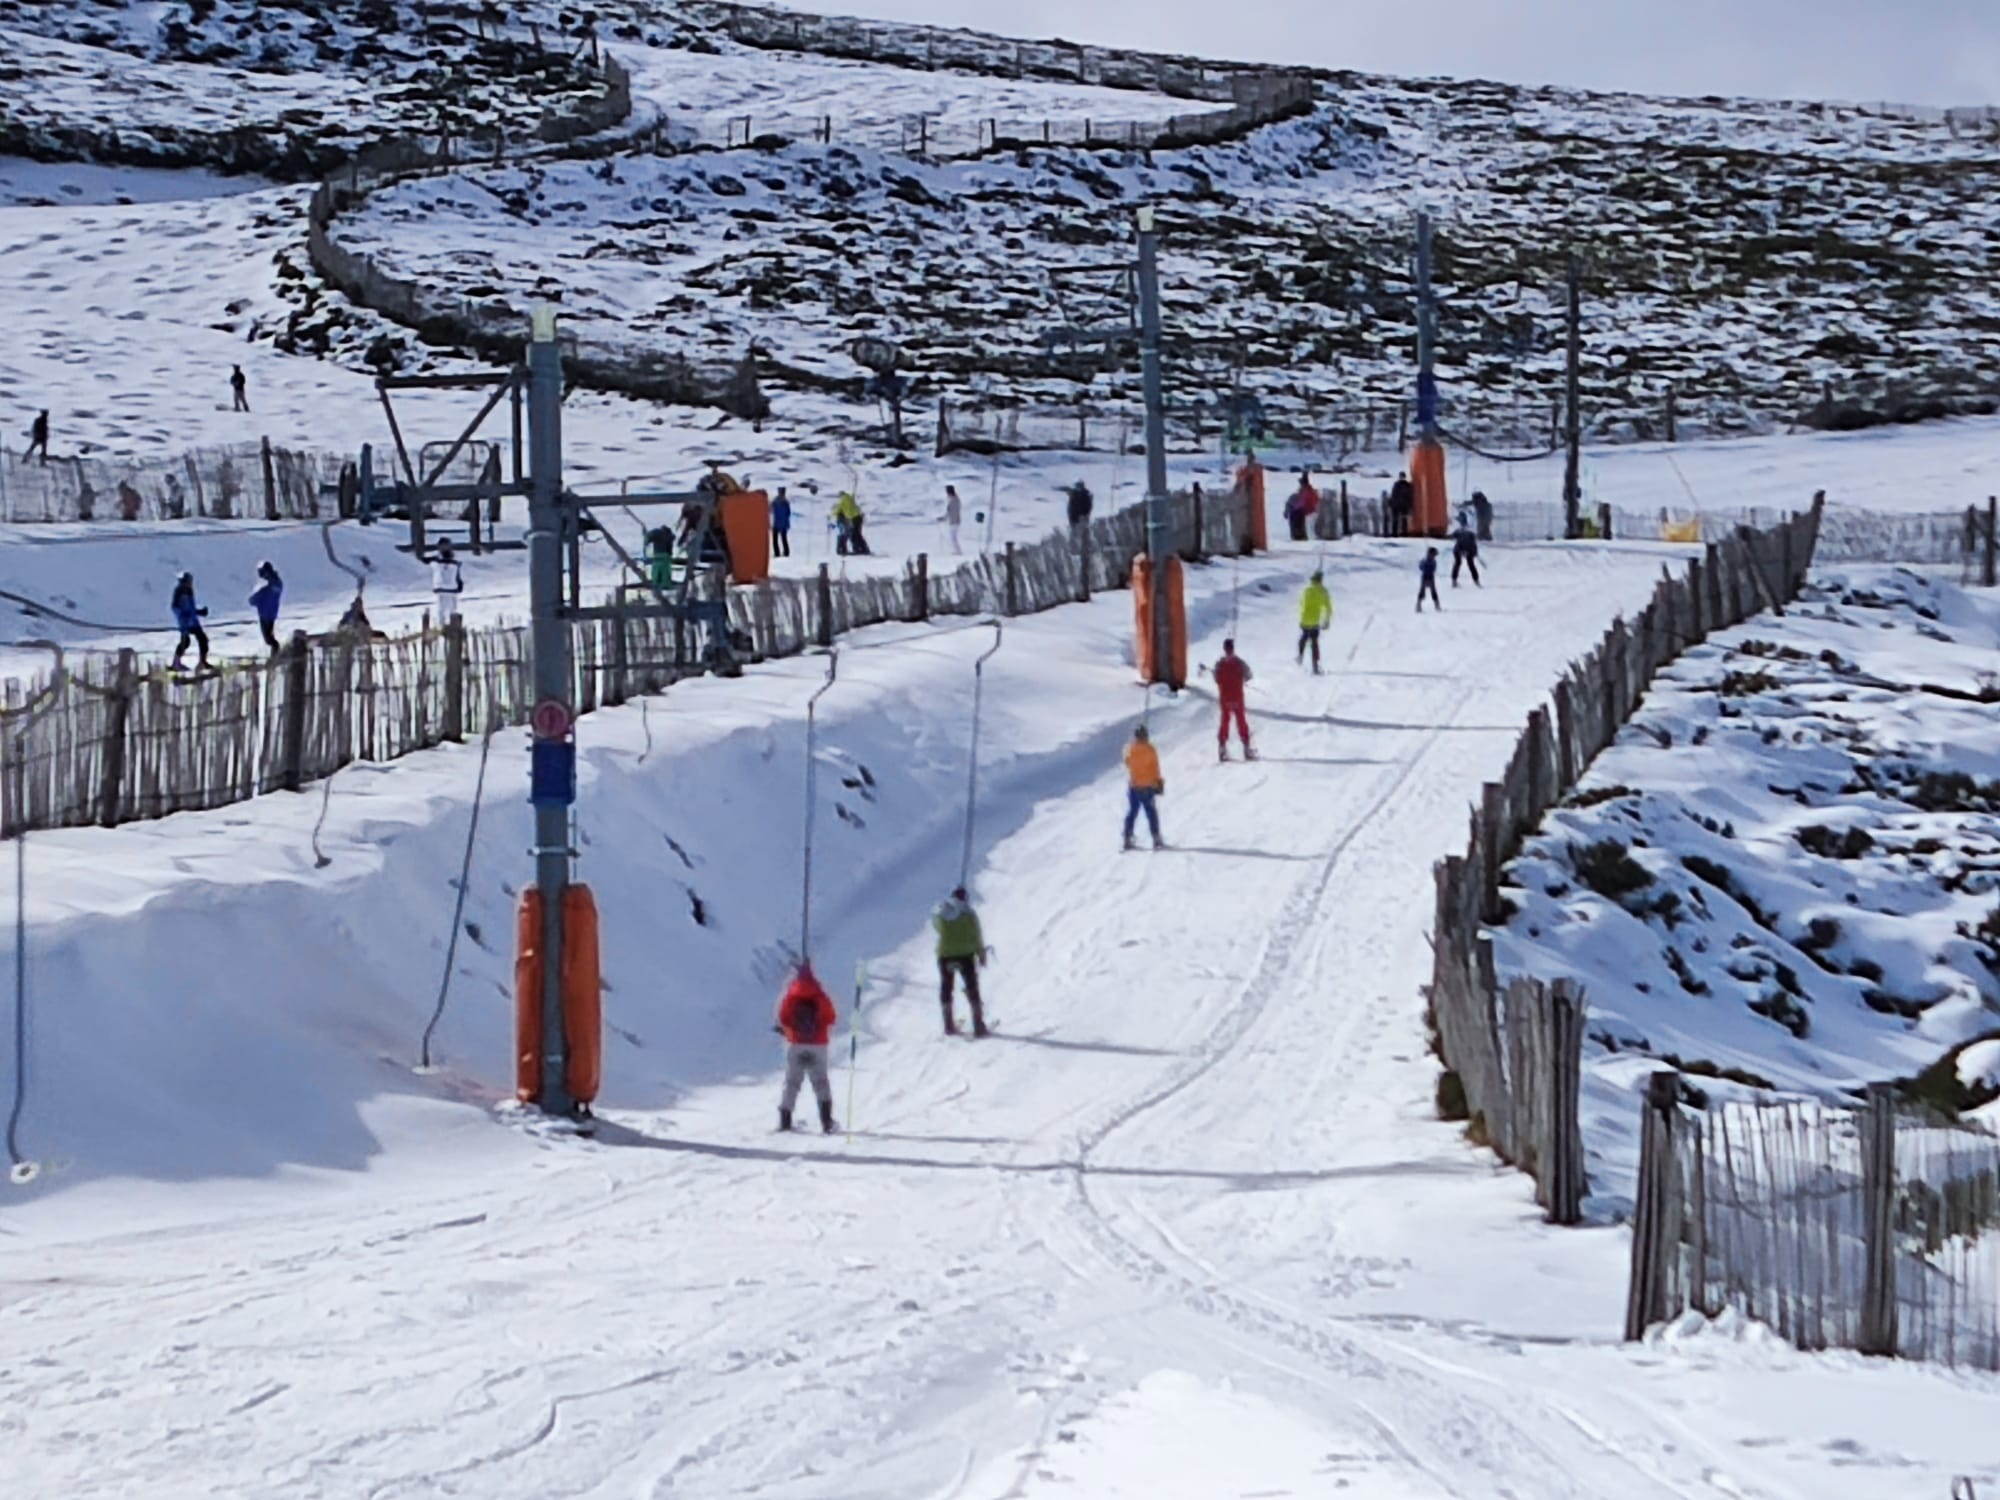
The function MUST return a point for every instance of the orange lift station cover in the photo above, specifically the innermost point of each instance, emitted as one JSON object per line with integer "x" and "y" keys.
{"x": 582, "y": 995}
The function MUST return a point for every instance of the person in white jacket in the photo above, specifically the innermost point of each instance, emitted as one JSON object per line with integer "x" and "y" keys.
{"x": 447, "y": 582}
{"x": 954, "y": 512}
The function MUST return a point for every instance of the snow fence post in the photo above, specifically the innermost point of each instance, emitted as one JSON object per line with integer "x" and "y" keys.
{"x": 454, "y": 679}
{"x": 920, "y": 589}
{"x": 1987, "y": 573}
{"x": 111, "y": 781}
{"x": 270, "y": 482}
{"x": 1654, "y": 1236}
{"x": 1563, "y": 1172}
{"x": 825, "y": 634}
{"x": 1878, "y": 1222}
{"x": 1011, "y": 605}
{"x": 292, "y": 756}
{"x": 1565, "y": 734}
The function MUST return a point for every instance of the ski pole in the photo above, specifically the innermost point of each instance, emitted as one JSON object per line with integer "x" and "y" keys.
{"x": 853, "y": 1040}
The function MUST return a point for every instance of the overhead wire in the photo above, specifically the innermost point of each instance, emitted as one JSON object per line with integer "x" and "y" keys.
{"x": 812, "y": 792}
{"x": 458, "y": 908}
{"x": 972, "y": 755}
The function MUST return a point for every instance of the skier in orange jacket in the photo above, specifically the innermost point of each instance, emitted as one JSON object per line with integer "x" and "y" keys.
{"x": 1142, "y": 770}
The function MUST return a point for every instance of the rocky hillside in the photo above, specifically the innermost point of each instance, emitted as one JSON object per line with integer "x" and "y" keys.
{"x": 1751, "y": 258}
{"x": 1748, "y": 266}
{"x": 284, "y": 88}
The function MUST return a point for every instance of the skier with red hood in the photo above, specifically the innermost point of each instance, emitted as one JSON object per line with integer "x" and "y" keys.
{"x": 805, "y": 1020}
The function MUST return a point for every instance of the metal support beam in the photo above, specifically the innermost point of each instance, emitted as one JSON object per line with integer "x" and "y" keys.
{"x": 550, "y": 658}
{"x": 1573, "y": 422}
{"x": 1427, "y": 393}
{"x": 1159, "y": 519}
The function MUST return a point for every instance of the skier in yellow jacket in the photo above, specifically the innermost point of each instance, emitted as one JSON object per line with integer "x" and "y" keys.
{"x": 1315, "y": 614}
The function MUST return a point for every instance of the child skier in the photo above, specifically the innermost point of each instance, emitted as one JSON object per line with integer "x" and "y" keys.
{"x": 961, "y": 949}
{"x": 1427, "y": 580}
{"x": 447, "y": 582}
{"x": 1142, "y": 771}
{"x": 1232, "y": 675}
{"x": 805, "y": 1020}
{"x": 187, "y": 619}
{"x": 265, "y": 601}
{"x": 1315, "y": 614}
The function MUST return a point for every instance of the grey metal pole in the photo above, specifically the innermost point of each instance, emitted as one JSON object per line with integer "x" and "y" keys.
{"x": 1572, "y": 476}
{"x": 1159, "y": 521}
{"x": 549, "y": 651}
{"x": 1427, "y": 423}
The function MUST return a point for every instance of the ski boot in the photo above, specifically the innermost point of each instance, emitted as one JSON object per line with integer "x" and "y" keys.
{"x": 979, "y": 1028}
{"x": 950, "y": 1022}
{"x": 826, "y": 1124}
{"x": 1129, "y": 845}
{"x": 784, "y": 1119}
{"x": 1158, "y": 842}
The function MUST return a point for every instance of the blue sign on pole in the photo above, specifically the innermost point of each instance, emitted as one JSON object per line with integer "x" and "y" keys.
{"x": 1427, "y": 400}
{"x": 552, "y": 773}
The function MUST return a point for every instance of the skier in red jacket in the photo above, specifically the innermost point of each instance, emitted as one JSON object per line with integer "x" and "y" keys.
{"x": 1232, "y": 673}
{"x": 805, "y": 1018}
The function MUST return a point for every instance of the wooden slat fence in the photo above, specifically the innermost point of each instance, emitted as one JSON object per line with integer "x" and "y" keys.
{"x": 1868, "y": 1229}
{"x": 118, "y": 743}
{"x": 1513, "y": 1065}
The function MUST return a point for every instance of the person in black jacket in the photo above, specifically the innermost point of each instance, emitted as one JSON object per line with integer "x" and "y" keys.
{"x": 1465, "y": 551}
{"x": 1402, "y": 501}
{"x": 1079, "y": 504}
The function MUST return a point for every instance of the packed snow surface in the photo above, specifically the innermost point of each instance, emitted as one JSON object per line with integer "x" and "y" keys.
{"x": 1187, "y": 1222}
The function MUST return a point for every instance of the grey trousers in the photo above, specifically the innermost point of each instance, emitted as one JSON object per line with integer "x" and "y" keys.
{"x": 802, "y": 1059}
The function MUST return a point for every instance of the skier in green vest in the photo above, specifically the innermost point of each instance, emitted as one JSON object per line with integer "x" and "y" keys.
{"x": 960, "y": 951}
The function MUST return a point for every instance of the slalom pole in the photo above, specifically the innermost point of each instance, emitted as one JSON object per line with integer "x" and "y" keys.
{"x": 806, "y": 880}
{"x": 853, "y": 1040}
{"x": 972, "y": 757}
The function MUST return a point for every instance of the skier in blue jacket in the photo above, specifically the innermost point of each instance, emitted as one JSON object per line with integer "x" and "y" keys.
{"x": 781, "y": 524}
{"x": 187, "y": 619}
{"x": 265, "y": 602}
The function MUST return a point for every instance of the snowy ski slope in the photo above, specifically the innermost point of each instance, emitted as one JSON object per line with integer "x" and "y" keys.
{"x": 1186, "y": 1228}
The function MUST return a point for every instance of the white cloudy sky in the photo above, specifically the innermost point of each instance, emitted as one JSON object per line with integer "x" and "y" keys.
{"x": 1908, "y": 51}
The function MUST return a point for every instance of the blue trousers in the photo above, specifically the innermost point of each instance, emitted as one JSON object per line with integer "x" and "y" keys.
{"x": 1137, "y": 800}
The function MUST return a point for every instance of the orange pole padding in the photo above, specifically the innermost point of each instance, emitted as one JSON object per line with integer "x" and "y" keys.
{"x": 1142, "y": 603}
{"x": 1430, "y": 512}
{"x": 582, "y": 995}
{"x": 746, "y": 534}
{"x": 1250, "y": 483}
